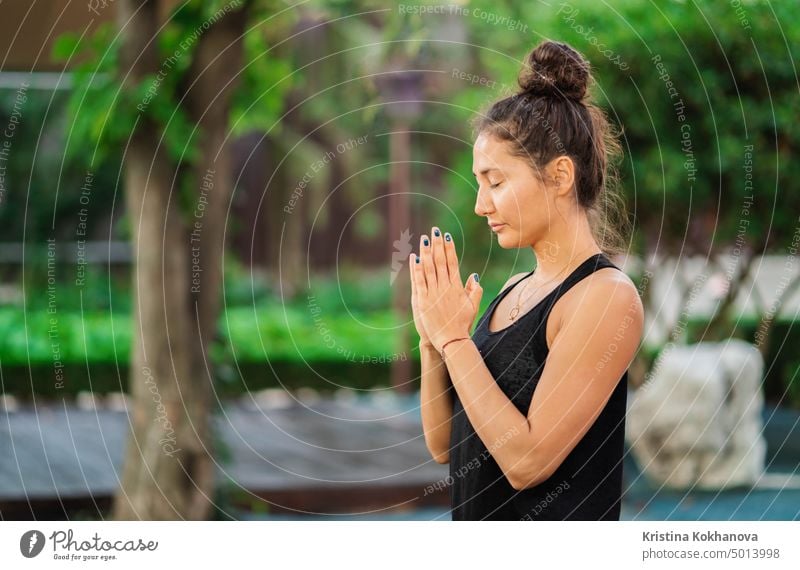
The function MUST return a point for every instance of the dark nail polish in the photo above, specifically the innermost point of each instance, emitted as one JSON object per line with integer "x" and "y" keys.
{"x": 476, "y": 277}
{"x": 417, "y": 259}
{"x": 425, "y": 241}
{"x": 436, "y": 232}
{"x": 447, "y": 237}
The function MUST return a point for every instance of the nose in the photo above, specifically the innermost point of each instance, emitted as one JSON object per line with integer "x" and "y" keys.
{"x": 482, "y": 205}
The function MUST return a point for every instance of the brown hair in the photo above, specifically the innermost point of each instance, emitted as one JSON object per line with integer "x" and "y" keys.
{"x": 551, "y": 116}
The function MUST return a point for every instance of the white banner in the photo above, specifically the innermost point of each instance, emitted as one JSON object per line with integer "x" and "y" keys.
{"x": 400, "y": 545}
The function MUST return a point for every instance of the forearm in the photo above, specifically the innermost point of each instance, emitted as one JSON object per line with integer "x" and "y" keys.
{"x": 436, "y": 403}
{"x": 501, "y": 427}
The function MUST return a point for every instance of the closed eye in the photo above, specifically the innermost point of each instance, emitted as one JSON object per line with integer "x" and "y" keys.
{"x": 495, "y": 185}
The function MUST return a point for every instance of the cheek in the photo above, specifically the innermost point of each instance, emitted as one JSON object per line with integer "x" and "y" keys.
{"x": 517, "y": 207}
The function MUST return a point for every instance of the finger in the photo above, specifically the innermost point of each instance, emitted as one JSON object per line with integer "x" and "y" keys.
{"x": 439, "y": 259}
{"x": 452, "y": 259}
{"x": 420, "y": 287}
{"x": 426, "y": 261}
{"x": 475, "y": 291}
{"x": 411, "y": 264}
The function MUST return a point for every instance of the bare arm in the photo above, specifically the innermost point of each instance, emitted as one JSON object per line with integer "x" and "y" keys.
{"x": 437, "y": 399}
{"x": 436, "y": 403}
{"x": 571, "y": 392}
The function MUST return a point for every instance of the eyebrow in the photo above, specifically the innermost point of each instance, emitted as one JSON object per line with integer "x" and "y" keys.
{"x": 485, "y": 170}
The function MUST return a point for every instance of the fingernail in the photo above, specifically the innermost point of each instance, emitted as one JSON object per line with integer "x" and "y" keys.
{"x": 476, "y": 277}
{"x": 425, "y": 241}
{"x": 417, "y": 259}
{"x": 447, "y": 236}
{"x": 436, "y": 232}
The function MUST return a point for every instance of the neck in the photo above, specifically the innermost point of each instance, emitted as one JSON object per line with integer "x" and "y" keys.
{"x": 564, "y": 247}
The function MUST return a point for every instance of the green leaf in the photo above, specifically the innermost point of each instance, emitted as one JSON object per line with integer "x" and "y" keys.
{"x": 65, "y": 46}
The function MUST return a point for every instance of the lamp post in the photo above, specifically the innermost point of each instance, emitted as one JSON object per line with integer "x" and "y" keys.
{"x": 401, "y": 90}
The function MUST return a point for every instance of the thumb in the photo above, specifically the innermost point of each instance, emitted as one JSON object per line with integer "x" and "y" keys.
{"x": 474, "y": 290}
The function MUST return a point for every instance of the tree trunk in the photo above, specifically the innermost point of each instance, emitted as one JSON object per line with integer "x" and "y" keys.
{"x": 168, "y": 472}
{"x": 211, "y": 82}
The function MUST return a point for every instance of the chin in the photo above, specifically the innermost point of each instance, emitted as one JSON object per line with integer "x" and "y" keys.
{"x": 507, "y": 241}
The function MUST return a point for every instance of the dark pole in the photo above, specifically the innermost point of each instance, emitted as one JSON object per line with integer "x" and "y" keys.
{"x": 401, "y": 90}
{"x": 400, "y": 222}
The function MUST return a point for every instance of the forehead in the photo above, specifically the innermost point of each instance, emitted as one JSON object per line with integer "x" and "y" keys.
{"x": 489, "y": 152}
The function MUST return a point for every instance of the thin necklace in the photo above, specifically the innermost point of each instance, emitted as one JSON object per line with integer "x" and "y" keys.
{"x": 512, "y": 315}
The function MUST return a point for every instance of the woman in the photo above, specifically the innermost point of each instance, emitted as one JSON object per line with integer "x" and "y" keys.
{"x": 529, "y": 410}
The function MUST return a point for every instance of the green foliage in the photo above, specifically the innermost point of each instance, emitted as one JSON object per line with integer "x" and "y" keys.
{"x": 107, "y": 105}
{"x": 104, "y": 112}
{"x": 250, "y": 334}
{"x": 735, "y": 77}
{"x": 265, "y": 81}
{"x": 715, "y": 64}
{"x": 43, "y": 184}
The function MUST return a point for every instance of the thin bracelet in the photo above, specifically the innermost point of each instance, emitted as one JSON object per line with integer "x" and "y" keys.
{"x": 449, "y": 341}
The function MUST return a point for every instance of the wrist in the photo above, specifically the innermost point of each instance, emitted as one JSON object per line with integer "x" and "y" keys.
{"x": 428, "y": 348}
{"x": 452, "y": 344}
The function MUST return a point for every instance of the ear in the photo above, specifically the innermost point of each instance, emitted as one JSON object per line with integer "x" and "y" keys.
{"x": 561, "y": 174}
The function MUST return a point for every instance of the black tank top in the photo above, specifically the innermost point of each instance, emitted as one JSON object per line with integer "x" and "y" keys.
{"x": 588, "y": 484}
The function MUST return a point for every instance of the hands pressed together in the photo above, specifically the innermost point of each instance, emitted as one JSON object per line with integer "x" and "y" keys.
{"x": 443, "y": 308}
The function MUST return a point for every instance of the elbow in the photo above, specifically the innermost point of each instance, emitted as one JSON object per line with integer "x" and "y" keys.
{"x": 441, "y": 458}
{"x": 439, "y": 454}
{"x": 529, "y": 474}
{"x": 439, "y": 450}
{"x": 527, "y": 480}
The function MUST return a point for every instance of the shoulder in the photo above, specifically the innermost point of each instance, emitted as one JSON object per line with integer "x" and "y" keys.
{"x": 512, "y": 280}
{"x": 608, "y": 294}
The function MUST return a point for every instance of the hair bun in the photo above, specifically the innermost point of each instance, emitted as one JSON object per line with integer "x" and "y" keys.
{"x": 554, "y": 69}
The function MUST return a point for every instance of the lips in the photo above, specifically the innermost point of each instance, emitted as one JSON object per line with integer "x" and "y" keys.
{"x": 495, "y": 227}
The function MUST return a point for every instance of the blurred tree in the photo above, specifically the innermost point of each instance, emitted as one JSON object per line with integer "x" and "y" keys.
{"x": 168, "y": 476}
{"x": 164, "y": 89}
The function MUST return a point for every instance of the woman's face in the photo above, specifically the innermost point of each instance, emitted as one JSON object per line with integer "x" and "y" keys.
{"x": 510, "y": 194}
